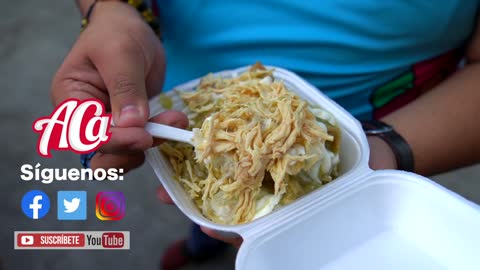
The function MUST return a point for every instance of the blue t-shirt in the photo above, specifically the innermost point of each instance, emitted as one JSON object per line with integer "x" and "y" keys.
{"x": 370, "y": 56}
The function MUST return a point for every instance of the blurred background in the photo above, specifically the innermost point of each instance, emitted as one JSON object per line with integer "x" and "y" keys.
{"x": 35, "y": 37}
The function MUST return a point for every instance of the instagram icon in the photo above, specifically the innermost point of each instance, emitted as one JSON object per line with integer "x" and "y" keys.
{"x": 110, "y": 205}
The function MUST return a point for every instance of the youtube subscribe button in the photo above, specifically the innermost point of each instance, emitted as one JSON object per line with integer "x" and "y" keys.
{"x": 50, "y": 240}
{"x": 72, "y": 240}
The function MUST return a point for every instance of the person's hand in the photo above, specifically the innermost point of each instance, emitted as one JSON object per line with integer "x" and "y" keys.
{"x": 236, "y": 242}
{"x": 381, "y": 154}
{"x": 118, "y": 60}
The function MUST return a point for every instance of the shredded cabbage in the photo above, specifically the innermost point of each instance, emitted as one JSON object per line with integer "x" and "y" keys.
{"x": 257, "y": 145}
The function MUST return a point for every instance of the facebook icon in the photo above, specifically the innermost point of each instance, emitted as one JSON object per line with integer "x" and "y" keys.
{"x": 35, "y": 204}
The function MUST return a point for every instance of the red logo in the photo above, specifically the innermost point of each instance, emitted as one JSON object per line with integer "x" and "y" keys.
{"x": 112, "y": 240}
{"x": 78, "y": 126}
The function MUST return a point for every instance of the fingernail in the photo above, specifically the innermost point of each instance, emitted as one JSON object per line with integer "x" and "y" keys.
{"x": 178, "y": 124}
{"x": 130, "y": 113}
{"x": 172, "y": 123}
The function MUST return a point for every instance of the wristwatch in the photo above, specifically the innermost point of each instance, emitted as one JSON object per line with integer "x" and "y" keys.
{"x": 401, "y": 149}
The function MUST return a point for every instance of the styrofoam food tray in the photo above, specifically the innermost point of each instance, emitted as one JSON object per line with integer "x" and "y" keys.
{"x": 362, "y": 220}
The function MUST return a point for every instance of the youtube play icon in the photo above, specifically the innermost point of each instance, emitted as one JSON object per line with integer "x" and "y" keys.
{"x": 26, "y": 240}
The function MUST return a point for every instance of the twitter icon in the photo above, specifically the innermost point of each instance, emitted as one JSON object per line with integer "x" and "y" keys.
{"x": 72, "y": 205}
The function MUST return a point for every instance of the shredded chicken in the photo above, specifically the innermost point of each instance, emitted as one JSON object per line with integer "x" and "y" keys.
{"x": 257, "y": 145}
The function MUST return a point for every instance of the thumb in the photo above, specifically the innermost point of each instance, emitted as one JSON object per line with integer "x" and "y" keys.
{"x": 123, "y": 71}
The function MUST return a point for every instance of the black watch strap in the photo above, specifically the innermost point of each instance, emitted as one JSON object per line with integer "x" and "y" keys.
{"x": 401, "y": 149}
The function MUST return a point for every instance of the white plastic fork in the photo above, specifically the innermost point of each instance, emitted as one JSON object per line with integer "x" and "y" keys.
{"x": 170, "y": 133}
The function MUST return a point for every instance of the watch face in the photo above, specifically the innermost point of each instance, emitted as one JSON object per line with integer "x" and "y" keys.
{"x": 401, "y": 149}
{"x": 375, "y": 127}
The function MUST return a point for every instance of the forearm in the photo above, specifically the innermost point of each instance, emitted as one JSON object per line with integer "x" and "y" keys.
{"x": 443, "y": 126}
{"x": 83, "y": 5}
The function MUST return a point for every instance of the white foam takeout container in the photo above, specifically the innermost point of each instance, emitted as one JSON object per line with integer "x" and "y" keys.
{"x": 362, "y": 220}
